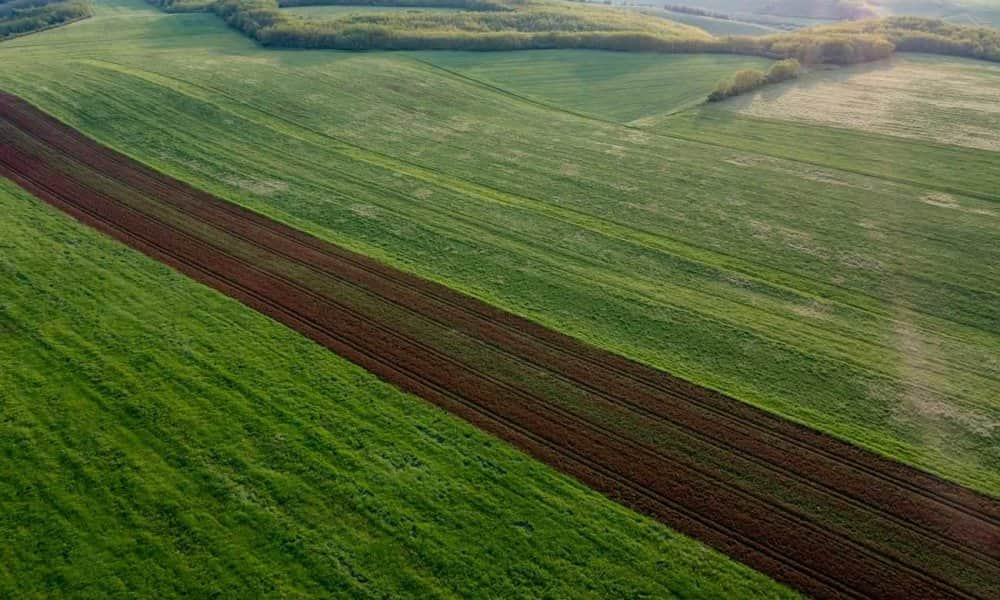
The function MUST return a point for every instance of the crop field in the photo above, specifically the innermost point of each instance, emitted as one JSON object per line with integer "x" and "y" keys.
{"x": 758, "y": 8}
{"x": 714, "y": 25}
{"x": 914, "y": 96}
{"x": 409, "y": 211}
{"x": 162, "y": 440}
{"x": 619, "y": 87}
{"x": 327, "y": 12}
{"x": 783, "y": 499}
{"x": 975, "y": 12}
{"x": 963, "y": 12}
{"x": 868, "y": 311}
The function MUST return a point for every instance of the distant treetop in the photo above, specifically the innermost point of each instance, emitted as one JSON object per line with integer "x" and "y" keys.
{"x": 542, "y": 24}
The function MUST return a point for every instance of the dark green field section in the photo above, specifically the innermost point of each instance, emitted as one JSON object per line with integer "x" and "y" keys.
{"x": 160, "y": 440}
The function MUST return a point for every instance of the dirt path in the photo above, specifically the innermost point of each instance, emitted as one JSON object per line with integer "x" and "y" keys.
{"x": 828, "y": 518}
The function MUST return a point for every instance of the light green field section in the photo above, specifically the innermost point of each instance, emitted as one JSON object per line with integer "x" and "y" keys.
{"x": 844, "y": 279}
{"x": 333, "y": 12}
{"x": 961, "y": 12}
{"x": 616, "y": 86}
{"x": 161, "y": 440}
{"x": 760, "y": 11}
{"x": 714, "y": 25}
{"x": 915, "y": 96}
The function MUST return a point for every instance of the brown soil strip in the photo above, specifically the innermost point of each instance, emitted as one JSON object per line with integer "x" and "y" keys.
{"x": 828, "y": 518}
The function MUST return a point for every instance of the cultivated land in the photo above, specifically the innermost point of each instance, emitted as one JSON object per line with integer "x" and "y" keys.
{"x": 915, "y": 96}
{"x": 798, "y": 268}
{"x": 160, "y": 440}
{"x": 23, "y": 17}
{"x": 611, "y": 85}
{"x": 776, "y": 496}
{"x": 965, "y": 12}
{"x": 975, "y": 12}
{"x": 324, "y": 12}
{"x": 713, "y": 25}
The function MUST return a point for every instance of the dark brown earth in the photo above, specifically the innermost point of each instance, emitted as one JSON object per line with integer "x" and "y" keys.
{"x": 828, "y": 518}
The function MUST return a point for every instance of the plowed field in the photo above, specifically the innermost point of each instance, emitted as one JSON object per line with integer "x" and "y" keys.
{"x": 826, "y": 517}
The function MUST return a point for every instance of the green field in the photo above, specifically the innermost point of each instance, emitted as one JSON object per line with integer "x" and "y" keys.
{"x": 333, "y": 12}
{"x": 714, "y": 25}
{"x": 24, "y": 17}
{"x": 915, "y": 96}
{"x": 816, "y": 272}
{"x": 617, "y": 86}
{"x": 161, "y": 440}
{"x": 962, "y": 12}
{"x": 756, "y": 9}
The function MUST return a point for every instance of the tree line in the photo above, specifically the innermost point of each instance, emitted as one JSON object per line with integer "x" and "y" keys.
{"x": 19, "y": 17}
{"x": 537, "y": 24}
{"x": 934, "y": 36}
{"x": 750, "y": 79}
{"x": 699, "y": 12}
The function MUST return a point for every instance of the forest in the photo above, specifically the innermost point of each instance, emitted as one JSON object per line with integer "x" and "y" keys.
{"x": 748, "y": 80}
{"x": 20, "y": 17}
{"x": 549, "y": 24}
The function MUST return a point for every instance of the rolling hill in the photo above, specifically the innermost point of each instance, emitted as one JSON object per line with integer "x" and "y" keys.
{"x": 809, "y": 253}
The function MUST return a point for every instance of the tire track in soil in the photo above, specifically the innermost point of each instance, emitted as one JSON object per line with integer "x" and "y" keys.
{"x": 763, "y": 532}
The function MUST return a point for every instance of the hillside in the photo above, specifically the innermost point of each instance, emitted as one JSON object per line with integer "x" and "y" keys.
{"x": 914, "y": 96}
{"x": 621, "y": 87}
{"x": 959, "y": 12}
{"x": 172, "y": 442}
{"x": 836, "y": 10}
{"x": 553, "y": 24}
{"x": 509, "y": 183}
{"x": 770, "y": 323}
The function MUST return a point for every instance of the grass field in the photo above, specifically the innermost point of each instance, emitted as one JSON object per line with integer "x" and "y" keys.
{"x": 24, "y": 17}
{"x": 713, "y": 25}
{"x": 754, "y": 8}
{"x": 815, "y": 272}
{"x": 616, "y": 86}
{"x": 162, "y": 439}
{"x": 914, "y": 96}
{"x": 328, "y": 12}
{"x": 962, "y": 12}
{"x": 571, "y": 406}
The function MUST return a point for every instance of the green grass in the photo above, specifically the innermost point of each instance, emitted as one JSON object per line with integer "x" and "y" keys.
{"x": 616, "y": 86}
{"x": 811, "y": 271}
{"x": 962, "y": 12}
{"x": 160, "y": 440}
{"x": 757, "y": 10}
{"x": 915, "y": 96}
{"x": 713, "y": 25}
{"x": 327, "y": 12}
